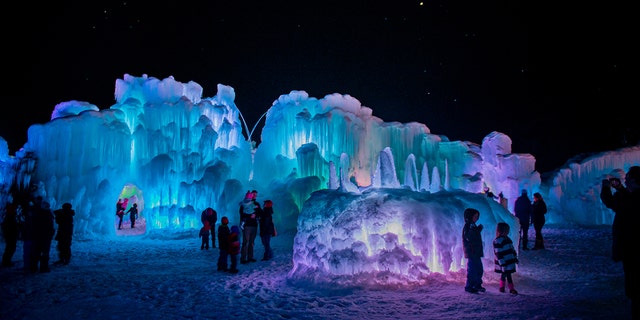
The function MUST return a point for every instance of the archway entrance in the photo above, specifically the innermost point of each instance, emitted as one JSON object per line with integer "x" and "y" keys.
{"x": 131, "y": 195}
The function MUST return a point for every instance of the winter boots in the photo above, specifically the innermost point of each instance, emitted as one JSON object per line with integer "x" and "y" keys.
{"x": 511, "y": 288}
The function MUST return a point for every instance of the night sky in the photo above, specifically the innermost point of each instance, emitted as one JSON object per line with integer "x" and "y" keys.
{"x": 555, "y": 79}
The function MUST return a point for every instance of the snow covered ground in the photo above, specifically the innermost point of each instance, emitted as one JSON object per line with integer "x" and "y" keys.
{"x": 169, "y": 277}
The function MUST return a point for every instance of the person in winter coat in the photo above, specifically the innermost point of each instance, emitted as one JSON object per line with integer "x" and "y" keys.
{"x": 133, "y": 214}
{"x": 625, "y": 202}
{"x": 10, "y": 233}
{"x": 473, "y": 250}
{"x": 40, "y": 234}
{"x": 234, "y": 248}
{"x": 505, "y": 256}
{"x": 523, "y": 210}
{"x": 223, "y": 244}
{"x": 249, "y": 212}
{"x": 538, "y": 211}
{"x": 204, "y": 235}
{"x": 211, "y": 216}
{"x": 64, "y": 219}
{"x": 267, "y": 229}
{"x": 120, "y": 207}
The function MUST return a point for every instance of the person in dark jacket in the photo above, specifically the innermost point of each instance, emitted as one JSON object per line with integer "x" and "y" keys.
{"x": 523, "y": 208}
{"x": 64, "y": 219}
{"x": 10, "y": 233}
{"x": 625, "y": 202}
{"x": 505, "y": 257}
{"x": 133, "y": 214}
{"x": 120, "y": 207}
{"x": 234, "y": 248}
{"x": 211, "y": 216}
{"x": 473, "y": 250}
{"x": 223, "y": 244}
{"x": 204, "y": 234}
{"x": 42, "y": 232}
{"x": 539, "y": 210}
{"x": 267, "y": 229}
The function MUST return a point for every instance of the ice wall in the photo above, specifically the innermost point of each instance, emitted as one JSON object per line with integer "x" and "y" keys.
{"x": 573, "y": 191}
{"x": 387, "y": 236}
{"x": 179, "y": 150}
{"x": 339, "y": 124}
{"x": 182, "y": 153}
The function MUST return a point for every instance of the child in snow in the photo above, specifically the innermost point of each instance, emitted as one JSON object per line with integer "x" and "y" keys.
{"x": 234, "y": 248}
{"x": 505, "y": 256}
{"x": 473, "y": 250}
{"x": 223, "y": 243}
{"x": 204, "y": 234}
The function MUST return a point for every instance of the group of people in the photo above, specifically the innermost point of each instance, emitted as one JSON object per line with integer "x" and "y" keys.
{"x": 121, "y": 206}
{"x": 254, "y": 220}
{"x": 623, "y": 199}
{"x": 35, "y": 225}
{"x": 505, "y": 255}
{"x": 531, "y": 213}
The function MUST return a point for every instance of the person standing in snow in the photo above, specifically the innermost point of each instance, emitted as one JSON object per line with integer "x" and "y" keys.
{"x": 625, "y": 202}
{"x": 473, "y": 250}
{"x": 223, "y": 244}
{"x": 234, "y": 248}
{"x": 41, "y": 233}
{"x": 523, "y": 208}
{"x": 64, "y": 219}
{"x": 120, "y": 206}
{"x": 505, "y": 256}
{"x": 538, "y": 211}
{"x": 249, "y": 212}
{"x": 10, "y": 233}
{"x": 133, "y": 214}
{"x": 267, "y": 229}
{"x": 210, "y": 216}
{"x": 204, "y": 235}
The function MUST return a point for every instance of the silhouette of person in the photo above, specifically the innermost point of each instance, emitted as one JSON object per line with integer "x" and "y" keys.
{"x": 133, "y": 214}
{"x": 473, "y": 250}
{"x": 41, "y": 231}
{"x": 625, "y": 202}
{"x": 267, "y": 229}
{"x": 539, "y": 210}
{"x": 120, "y": 207}
{"x": 10, "y": 232}
{"x": 523, "y": 209}
{"x": 211, "y": 216}
{"x": 64, "y": 219}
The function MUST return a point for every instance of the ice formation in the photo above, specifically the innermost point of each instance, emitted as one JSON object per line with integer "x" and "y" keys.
{"x": 357, "y": 193}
